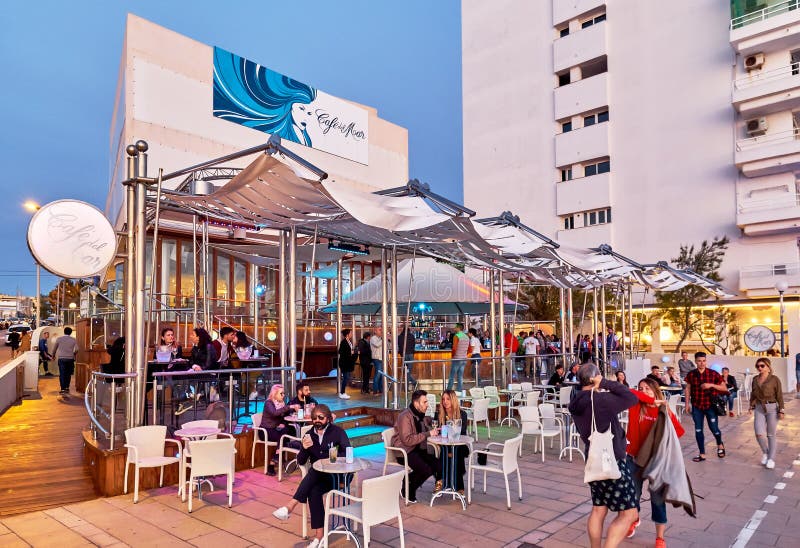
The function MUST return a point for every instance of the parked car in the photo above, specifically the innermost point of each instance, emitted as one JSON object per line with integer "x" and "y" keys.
{"x": 21, "y": 328}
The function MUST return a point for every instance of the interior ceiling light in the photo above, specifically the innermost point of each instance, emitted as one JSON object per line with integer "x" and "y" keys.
{"x": 348, "y": 248}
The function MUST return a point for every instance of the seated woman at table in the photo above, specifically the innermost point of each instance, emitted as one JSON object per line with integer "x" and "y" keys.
{"x": 733, "y": 389}
{"x": 203, "y": 357}
{"x": 451, "y": 410}
{"x": 622, "y": 379}
{"x": 273, "y": 419}
{"x": 242, "y": 346}
{"x": 315, "y": 484}
{"x": 168, "y": 343}
{"x": 671, "y": 377}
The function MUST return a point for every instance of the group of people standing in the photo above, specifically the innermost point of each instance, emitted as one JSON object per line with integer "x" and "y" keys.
{"x": 649, "y": 450}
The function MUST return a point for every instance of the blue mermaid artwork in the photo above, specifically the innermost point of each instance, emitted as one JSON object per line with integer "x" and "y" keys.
{"x": 254, "y": 96}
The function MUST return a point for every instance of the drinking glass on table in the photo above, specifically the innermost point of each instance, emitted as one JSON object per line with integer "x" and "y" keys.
{"x": 333, "y": 452}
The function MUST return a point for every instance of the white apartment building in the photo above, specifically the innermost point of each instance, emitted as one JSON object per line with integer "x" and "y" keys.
{"x": 644, "y": 126}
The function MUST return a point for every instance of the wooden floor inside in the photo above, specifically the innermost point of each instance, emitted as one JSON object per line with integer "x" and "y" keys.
{"x": 41, "y": 457}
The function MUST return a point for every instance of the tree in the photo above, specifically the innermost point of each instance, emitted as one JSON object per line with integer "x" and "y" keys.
{"x": 678, "y": 306}
{"x": 64, "y": 293}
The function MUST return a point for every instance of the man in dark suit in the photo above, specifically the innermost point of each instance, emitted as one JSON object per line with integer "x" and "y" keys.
{"x": 315, "y": 446}
{"x": 303, "y": 396}
{"x": 347, "y": 361}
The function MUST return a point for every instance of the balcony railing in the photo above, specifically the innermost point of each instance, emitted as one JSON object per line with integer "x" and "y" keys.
{"x": 778, "y": 137}
{"x": 778, "y": 202}
{"x": 767, "y": 76}
{"x": 764, "y": 14}
{"x": 758, "y": 271}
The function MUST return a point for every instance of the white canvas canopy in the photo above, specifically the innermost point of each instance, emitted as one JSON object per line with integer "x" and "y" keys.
{"x": 438, "y": 287}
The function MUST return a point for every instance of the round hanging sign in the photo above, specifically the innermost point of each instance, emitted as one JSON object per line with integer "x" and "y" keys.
{"x": 71, "y": 239}
{"x": 759, "y": 338}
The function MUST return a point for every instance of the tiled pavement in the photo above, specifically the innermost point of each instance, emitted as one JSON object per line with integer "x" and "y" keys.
{"x": 552, "y": 513}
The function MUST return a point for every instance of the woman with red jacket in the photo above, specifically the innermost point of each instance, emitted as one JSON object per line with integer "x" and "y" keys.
{"x": 641, "y": 418}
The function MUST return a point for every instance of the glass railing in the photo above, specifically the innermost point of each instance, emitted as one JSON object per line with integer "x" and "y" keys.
{"x": 754, "y": 12}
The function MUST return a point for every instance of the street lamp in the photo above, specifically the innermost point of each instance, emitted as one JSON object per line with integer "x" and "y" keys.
{"x": 33, "y": 207}
{"x": 782, "y": 286}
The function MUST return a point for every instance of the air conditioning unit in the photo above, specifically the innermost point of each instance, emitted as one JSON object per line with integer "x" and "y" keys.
{"x": 754, "y": 62}
{"x": 757, "y": 126}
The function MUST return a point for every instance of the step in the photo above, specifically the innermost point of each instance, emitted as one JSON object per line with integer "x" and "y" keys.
{"x": 366, "y": 435}
{"x": 353, "y": 421}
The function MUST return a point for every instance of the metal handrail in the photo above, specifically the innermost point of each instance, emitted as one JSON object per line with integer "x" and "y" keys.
{"x": 96, "y": 292}
{"x": 91, "y": 388}
{"x": 760, "y": 77}
{"x": 786, "y": 200}
{"x": 770, "y": 270}
{"x": 785, "y": 136}
{"x": 763, "y": 14}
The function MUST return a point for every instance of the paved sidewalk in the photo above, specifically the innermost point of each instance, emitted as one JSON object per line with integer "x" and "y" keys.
{"x": 738, "y": 493}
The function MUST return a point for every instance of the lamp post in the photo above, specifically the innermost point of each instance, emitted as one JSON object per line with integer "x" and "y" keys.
{"x": 782, "y": 286}
{"x": 33, "y": 207}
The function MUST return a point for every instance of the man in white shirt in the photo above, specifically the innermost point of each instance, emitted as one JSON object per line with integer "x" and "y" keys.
{"x": 376, "y": 346}
{"x": 531, "y": 345}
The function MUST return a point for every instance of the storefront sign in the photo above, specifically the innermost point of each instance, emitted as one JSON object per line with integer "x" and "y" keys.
{"x": 759, "y": 338}
{"x": 254, "y": 96}
{"x": 72, "y": 239}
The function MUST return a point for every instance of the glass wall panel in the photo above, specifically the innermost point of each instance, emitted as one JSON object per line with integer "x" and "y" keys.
{"x": 169, "y": 272}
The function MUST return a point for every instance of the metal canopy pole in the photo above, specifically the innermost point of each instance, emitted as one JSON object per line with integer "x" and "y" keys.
{"x": 492, "y": 328}
{"x": 563, "y": 314}
{"x": 139, "y": 260}
{"x": 594, "y": 325}
{"x": 571, "y": 322}
{"x": 603, "y": 337}
{"x": 253, "y": 285}
{"x": 208, "y": 321}
{"x": 339, "y": 323}
{"x": 502, "y": 317}
{"x": 393, "y": 336}
{"x": 282, "y": 296}
{"x": 384, "y": 323}
{"x": 630, "y": 319}
{"x": 130, "y": 312}
{"x": 195, "y": 281}
{"x": 622, "y": 318}
{"x": 292, "y": 267}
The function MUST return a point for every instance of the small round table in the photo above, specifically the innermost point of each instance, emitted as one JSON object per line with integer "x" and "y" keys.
{"x": 195, "y": 433}
{"x": 450, "y": 466}
{"x": 297, "y": 422}
{"x": 512, "y": 395}
{"x": 342, "y": 474}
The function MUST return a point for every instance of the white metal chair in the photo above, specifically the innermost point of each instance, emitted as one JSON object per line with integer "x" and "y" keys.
{"x": 431, "y": 411}
{"x": 504, "y": 463}
{"x": 515, "y": 399}
{"x": 533, "y": 425}
{"x": 146, "y": 446}
{"x": 256, "y": 418}
{"x": 378, "y": 503}
{"x": 494, "y": 399}
{"x": 479, "y": 412}
{"x": 550, "y": 422}
{"x": 203, "y": 423}
{"x": 283, "y": 448}
{"x": 211, "y": 458}
{"x": 532, "y": 398}
{"x": 391, "y": 456}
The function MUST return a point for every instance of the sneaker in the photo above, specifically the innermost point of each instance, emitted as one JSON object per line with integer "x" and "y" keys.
{"x": 281, "y": 513}
{"x": 316, "y": 543}
{"x": 183, "y": 408}
{"x": 632, "y": 529}
{"x": 730, "y": 414}
{"x": 764, "y": 459}
{"x": 344, "y": 397}
{"x": 48, "y": 374}
{"x": 661, "y": 543}
{"x": 770, "y": 464}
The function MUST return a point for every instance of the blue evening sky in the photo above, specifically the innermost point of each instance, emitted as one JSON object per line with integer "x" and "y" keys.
{"x": 61, "y": 61}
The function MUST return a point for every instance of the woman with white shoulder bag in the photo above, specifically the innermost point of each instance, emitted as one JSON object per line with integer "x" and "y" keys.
{"x": 594, "y": 410}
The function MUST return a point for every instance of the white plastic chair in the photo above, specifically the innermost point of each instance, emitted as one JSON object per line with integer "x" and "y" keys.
{"x": 551, "y": 422}
{"x": 203, "y": 423}
{"x": 479, "y": 412}
{"x": 533, "y": 425}
{"x": 494, "y": 399}
{"x": 146, "y": 446}
{"x": 378, "y": 503}
{"x": 564, "y": 395}
{"x": 504, "y": 463}
{"x": 283, "y": 448}
{"x": 431, "y": 411}
{"x": 676, "y": 405}
{"x": 256, "y": 418}
{"x": 476, "y": 393}
{"x": 532, "y": 398}
{"x": 526, "y": 386}
{"x": 392, "y": 454}
{"x": 211, "y": 458}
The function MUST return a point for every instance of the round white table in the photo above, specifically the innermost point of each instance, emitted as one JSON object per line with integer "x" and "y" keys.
{"x": 195, "y": 433}
{"x": 341, "y": 473}
{"x": 450, "y": 466}
{"x": 512, "y": 394}
{"x": 297, "y": 422}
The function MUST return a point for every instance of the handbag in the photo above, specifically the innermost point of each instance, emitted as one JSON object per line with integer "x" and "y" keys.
{"x": 601, "y": 464}
{"x": 718, "y": 405}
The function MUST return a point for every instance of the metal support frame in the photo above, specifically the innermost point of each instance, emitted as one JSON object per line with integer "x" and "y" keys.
{"x": 207, "y": 317}
{"x": 195, "y": 281}
{"x": 130, "y": 311}
{"x": 594, "y": 325}
{"x": 563, "y": 315}
{"x": 571, "y": 324}
{"x": 282, "y": 296}
{"x": 502, "y": 317}
{"x": 393, "y": 335}
{"x": 292, "y": 316}
{"x": 492, "y": 324}
{"x": 139, "y": 342}
{"x": 384, "y": 322}
{"x": 604, "y": 339}
{"x": 630, "y": 319}
{"x": 621, "y": 301}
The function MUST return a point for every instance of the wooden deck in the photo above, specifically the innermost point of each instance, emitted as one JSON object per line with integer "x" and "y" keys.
{"x": 41, "y": 452}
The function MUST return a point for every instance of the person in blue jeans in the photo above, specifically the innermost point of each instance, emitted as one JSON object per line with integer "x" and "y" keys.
{"x": 376, "y": 349}
{"x": 459, "y": 361}
{"x": 406, "y": 345}
{"x": 701, "y": 386}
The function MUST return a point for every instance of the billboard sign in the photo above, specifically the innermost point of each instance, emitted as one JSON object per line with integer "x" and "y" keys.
{"x": 254, "y": 96}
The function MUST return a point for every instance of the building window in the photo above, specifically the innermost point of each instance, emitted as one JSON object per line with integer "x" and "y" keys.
{"x": 795, "y": 57}
{"x": 563, "y": 79}
{"x": 566, "y": 127}
{"x": 598, "y": 217}
{"x": 593, "y": 21}
{"x": 589, "y": 120}
{"x": 564, "y": 32}
{"x": 599, "y": 167}
{"x": 566, "y": 174}
{"x": 569, "y": 222}
{"x": 602, "y": 117}
{"x": 593, "y": 68}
